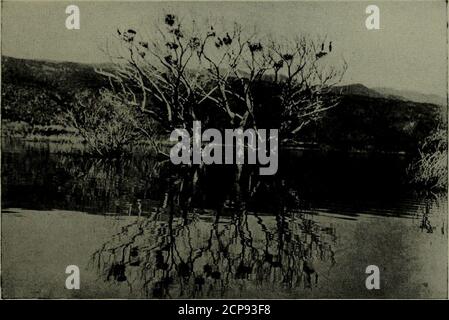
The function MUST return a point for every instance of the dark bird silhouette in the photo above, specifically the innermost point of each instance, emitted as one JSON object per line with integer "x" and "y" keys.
{"x": 218, "y": 43}
{"x": 144, "y": 44}
{"x": 227, "y": 39}
{"x": 322, "y": 46}
{"x": 129, "y": 35}
{"x": 320, "y": 54}
{"x": 330, "y": 46}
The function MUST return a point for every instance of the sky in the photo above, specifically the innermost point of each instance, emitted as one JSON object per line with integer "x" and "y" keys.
{"x": 409, "y": 52}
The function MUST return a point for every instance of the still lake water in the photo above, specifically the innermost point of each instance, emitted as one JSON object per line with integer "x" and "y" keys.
{"x": 138, "y": 229}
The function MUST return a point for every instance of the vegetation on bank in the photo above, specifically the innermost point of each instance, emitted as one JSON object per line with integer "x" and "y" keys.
{"x": 429, "y": 170}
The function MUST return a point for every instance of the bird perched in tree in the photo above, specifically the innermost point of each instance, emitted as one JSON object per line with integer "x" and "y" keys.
{"x": 144, "y": 44}
{"x": 320, "y": 54}
{"x": 330, "y": 46}
{"x": 129, "y": 35}
{"x": 218, "y": 43}
{"x": 227, "y": 39}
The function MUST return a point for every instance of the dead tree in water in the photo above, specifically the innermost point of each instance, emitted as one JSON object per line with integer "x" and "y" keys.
{"x": 184, "y": 71}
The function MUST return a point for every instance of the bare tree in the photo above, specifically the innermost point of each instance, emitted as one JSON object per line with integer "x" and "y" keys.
{"x": 180, "y": 69}
{"x": 158, "y": 73}
{"x": 305, "y": 81}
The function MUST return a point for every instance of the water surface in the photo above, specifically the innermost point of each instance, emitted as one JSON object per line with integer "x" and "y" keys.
{"x": 139, "y": 228}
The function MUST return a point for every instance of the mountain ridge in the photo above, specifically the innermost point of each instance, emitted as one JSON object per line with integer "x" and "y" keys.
{"x": 83, "y": 74}
{"x": 411, "y": 95}
{"x": 39, "y": 92}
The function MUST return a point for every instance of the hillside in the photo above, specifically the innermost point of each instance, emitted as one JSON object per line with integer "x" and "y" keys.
{"x": 61, "y": 76}
{"x": 407, "y": 95}
{"x": 38, "y": 91}
{"x": 376, "y": 124}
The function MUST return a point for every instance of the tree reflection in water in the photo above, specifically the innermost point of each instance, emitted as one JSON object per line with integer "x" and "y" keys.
{"x": 190, "y": 252}
{"x": 203, "y": 231}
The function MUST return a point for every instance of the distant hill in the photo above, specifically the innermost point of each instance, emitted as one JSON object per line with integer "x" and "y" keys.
{"x": 408, "y": 95}
{"x": 358, "y": 89}
{"x": 66, "y": 76}
{"x": 366, "y": 119}
{"x": 37, "y": 91}
{"x": 364, "y": 123}
{"x": 389, "y": 93}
